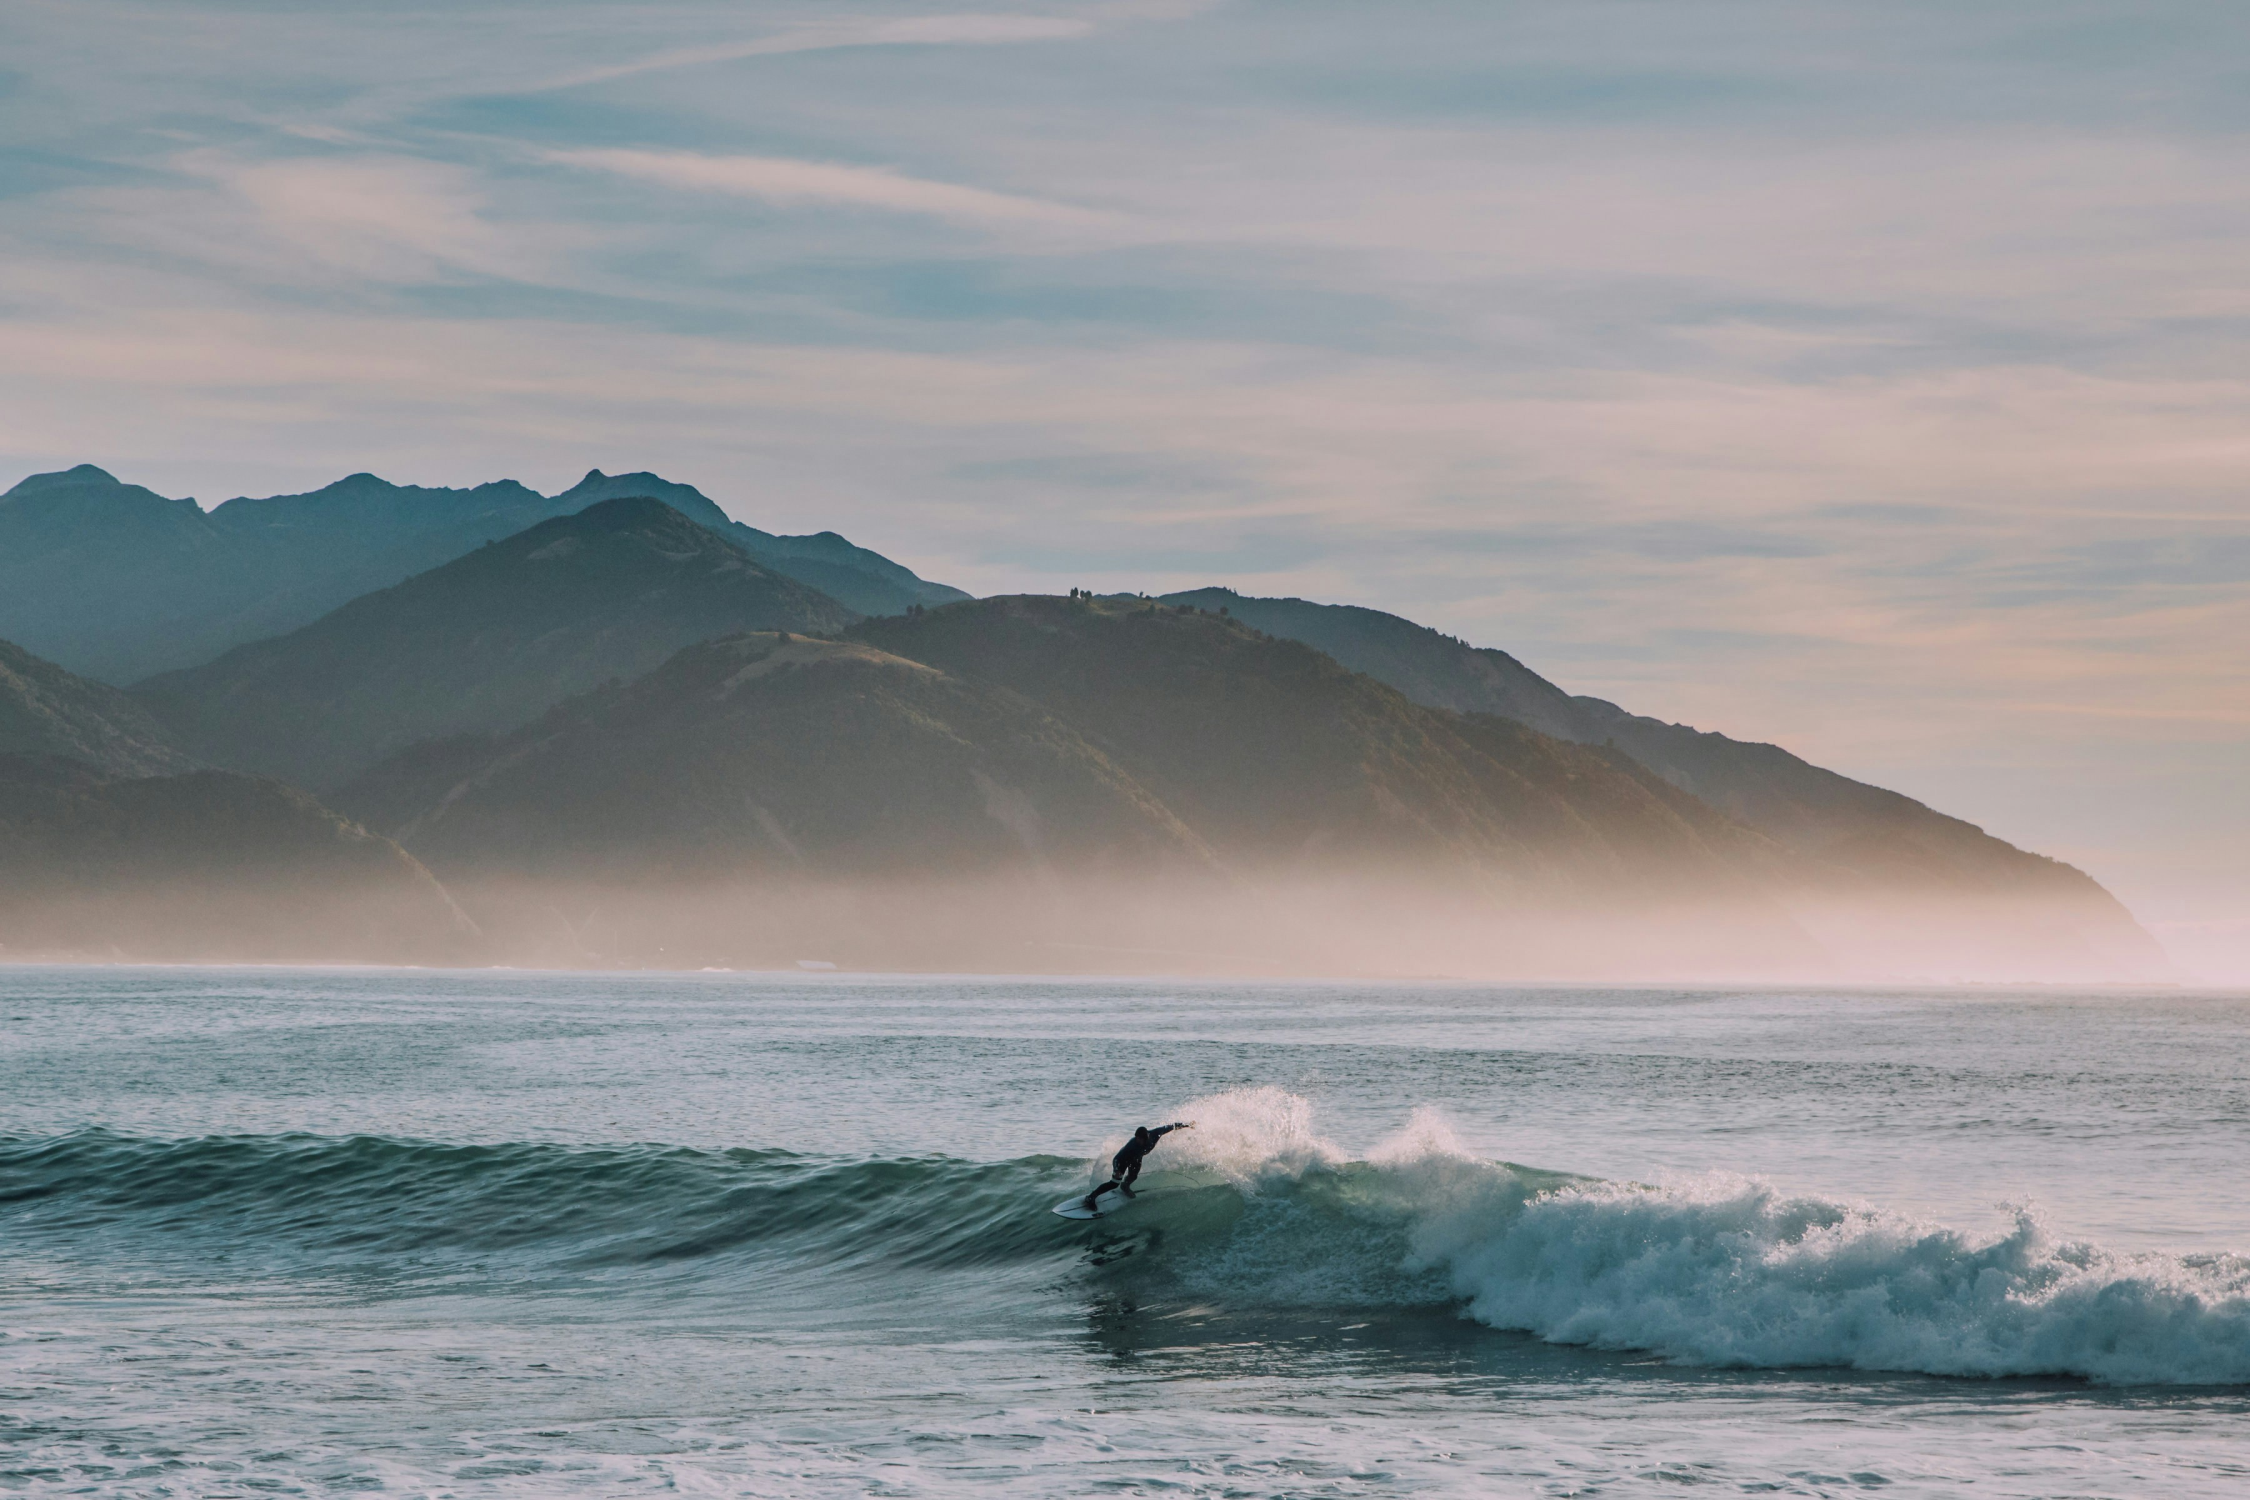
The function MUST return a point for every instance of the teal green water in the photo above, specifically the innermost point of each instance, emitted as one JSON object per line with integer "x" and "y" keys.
{"x": 318, "y": 1231}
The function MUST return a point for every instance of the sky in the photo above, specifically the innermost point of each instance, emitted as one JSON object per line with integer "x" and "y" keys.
{"x": 1867, "y": 378}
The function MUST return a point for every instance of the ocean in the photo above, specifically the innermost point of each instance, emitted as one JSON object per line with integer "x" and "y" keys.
{"x": 327, "y": 1232}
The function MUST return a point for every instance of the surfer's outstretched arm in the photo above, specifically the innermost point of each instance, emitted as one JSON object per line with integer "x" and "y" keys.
{"x": 1125, "y": 1166}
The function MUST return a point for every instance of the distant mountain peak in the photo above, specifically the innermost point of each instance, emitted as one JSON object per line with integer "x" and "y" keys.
{"x": 117, "y": 582}
{"x": 867, "y": 582}
{"x": 366, "y": 485}
{"x": 685, "y": 498}
{"x": 633, "y": 513}
{"x": 82, "y": 474}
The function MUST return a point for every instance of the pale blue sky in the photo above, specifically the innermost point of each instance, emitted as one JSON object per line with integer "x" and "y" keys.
{"x": 1864, "y": 377}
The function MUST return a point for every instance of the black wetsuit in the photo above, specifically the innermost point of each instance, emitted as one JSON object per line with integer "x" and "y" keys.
{"x": 1126, "y": 1164}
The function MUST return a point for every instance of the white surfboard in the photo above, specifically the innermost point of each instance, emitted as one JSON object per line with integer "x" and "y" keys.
{"x": 1074, "y": 1207}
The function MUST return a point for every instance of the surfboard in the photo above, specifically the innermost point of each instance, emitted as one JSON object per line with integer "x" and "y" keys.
{"x": 1074, "y": 1207}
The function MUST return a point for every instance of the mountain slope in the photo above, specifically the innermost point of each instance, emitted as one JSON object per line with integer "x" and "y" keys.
{"x": 318, "y": 549}
{"x": 853, "y": 576}
{"x": 101, "y": 576}
{"x": 484, "y": 643}
{"x": 759, "y": 799}
{"x": 763, "y": 752}
{"x": 203, "y": 867}
{"x": 1811, "y": 810}
{"x": 116, "y": 582}
{"x": 45, "y": 711}
{"x": 1430, "y": 668}
{"x": 1859, "y": 842}
{"x": 1277, "y": 755}
{"x": 754, "y": 792}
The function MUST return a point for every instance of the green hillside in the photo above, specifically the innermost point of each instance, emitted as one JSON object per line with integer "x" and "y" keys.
{"x": 47, "y": 711}
{"x": 482, "y": 644}
{"x": 1275, "y": 753}
{"x": 780, "y": 754}
{"x": 1430, "y": 668}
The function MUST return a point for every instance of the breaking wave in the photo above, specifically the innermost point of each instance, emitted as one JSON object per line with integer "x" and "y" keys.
{"x": 1251, "y": 1208}
{"x": 1719, "y": 1271}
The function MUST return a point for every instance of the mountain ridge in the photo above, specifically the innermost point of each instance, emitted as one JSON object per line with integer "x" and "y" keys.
{"x": 865, "y": 581}
{"x": 1229, "y": 725}
{"x": 116, "y": 582}
{"x": 1865, "y": 840}
{"x": 482, "y": 643}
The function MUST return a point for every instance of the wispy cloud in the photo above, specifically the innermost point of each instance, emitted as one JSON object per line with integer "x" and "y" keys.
{"x": 913, "y": 31}
{"x": 388, "y": 218}
{"x": 330, "y": 222}
{"x": 775, "y": 179}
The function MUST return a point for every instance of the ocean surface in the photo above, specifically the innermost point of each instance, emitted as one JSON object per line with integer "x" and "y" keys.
{"x": 291, "y": 1231}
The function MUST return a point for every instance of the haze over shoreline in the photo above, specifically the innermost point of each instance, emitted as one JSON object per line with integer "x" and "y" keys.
{"x": 604, "y": 729}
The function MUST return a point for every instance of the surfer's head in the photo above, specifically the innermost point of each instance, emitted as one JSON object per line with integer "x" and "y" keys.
{"x": 1140, "y": 1132}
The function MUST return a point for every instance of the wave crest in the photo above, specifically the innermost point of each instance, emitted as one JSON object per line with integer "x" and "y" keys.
{"x": 1252, "y": 1207}
{"x": 1732, "y": 1272}
{"x": 1721, "y": 1270}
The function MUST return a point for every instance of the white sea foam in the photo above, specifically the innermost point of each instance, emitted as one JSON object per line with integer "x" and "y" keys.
{"x": 1250, "y": 1137}
{"x": 1720, "y": 1270}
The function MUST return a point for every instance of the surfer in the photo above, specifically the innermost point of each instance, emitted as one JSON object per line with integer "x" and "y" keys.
{"x": 1126, "y": 1164}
